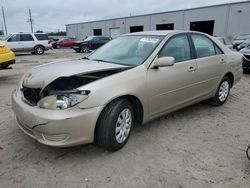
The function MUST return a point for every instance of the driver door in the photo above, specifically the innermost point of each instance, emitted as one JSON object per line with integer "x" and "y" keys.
{"x": 173, "y": 86}
{"x": 14, "y": 42}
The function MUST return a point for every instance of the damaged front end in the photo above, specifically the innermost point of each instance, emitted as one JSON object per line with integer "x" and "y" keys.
{"x": 63, "y": 93}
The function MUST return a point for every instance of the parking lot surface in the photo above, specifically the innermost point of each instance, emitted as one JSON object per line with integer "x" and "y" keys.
{"x": 199, "y": 146}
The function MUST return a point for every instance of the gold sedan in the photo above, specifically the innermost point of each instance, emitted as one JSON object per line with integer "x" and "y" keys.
{"x": 130, "y": 80}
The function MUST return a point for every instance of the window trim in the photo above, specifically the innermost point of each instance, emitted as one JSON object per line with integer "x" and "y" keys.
{"x": 190, "y": 46}
{"x": 214, "y": 44}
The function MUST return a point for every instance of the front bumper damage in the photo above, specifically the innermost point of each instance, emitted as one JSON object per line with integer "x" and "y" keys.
{"x": 59, "y": 128}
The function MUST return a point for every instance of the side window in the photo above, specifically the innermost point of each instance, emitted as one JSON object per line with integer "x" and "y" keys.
{"x": 26, "y": 37}
{"x": 177, "y": 47}
{"x": 42, "y": 37}
{"x": 204, "y": 47}
{"x": 14, "y": 38}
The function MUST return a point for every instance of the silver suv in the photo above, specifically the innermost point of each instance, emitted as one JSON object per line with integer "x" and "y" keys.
{"x": 35, "y": 43}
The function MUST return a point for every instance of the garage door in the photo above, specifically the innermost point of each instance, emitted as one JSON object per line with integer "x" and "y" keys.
{"x": 114, "y": 32}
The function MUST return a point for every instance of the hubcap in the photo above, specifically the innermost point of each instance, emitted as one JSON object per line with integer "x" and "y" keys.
{"x": 39, "y": 50}
{"x": 123, "y": 125}
{"x": 223, "y": 91}
{"x": 86, "y": 49}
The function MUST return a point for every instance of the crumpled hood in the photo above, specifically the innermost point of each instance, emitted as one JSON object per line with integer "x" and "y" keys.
{"x": 42, "y": 75}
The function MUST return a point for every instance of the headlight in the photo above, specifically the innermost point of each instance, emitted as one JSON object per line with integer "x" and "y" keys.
{"x": 61, "y": 101}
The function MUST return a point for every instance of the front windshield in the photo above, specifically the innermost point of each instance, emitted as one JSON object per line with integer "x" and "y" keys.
{"x": 127, "y": 50}
{"x": 89, "y": 38}
{"x": 6, "y": 37}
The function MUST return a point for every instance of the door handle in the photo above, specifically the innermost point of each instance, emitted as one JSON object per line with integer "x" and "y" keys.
{"x": 191, "y": 69}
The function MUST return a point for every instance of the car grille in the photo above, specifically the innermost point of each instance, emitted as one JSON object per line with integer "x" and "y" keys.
{"x": 32, "y": 95}
{"x": 77, "y": 44}
{"x": 55, "y": 137}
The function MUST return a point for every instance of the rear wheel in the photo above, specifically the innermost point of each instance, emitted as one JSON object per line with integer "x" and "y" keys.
{"x": 39, "y": 50}
{"x": 222, "y": 92}
{"x": 114, "y": 125}
{"x": 4, "y": 66}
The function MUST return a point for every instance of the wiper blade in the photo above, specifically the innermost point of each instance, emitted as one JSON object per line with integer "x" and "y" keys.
{"x": 100, "y": 60}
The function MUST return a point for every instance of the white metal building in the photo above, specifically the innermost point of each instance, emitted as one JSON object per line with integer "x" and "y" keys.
{"x": 226, "y": 20}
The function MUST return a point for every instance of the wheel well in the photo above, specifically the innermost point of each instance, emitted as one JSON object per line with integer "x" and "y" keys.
{"x": 39, "y": 45}
{"x": 136, "y": 103}
{"x": 231, "y": 77}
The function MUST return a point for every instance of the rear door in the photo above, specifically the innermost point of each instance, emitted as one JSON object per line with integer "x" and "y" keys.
{"x": 173, "y": 86}
{"x": 27, "y": 42}
{"x": 211, "y": 63}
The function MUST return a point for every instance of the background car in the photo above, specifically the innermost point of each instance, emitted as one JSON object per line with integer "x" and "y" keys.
{"x": 131, "y": 80}
{"x": 35, "y": 43}
{"x": 244, "y": 44}
{"x": 7, "y": 57}
{"x": 90, "y": 43}
{"x": 52, "y": 40}
{"x": 225, "y": 42}
{"x": 65, "y": 42}
{"x": 239, "y": 39}
{"x": 246, "y": 58}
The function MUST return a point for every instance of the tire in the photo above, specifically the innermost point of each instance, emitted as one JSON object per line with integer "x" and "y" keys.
{"x": 85, "y": 49}
{"x": 222, "y": 93}
{"x": 58, "y": 46}
{"x": 39, "y": 50}
{"x": 77, "y": 50}
{"x": 4, "y": 66}
{"x": 114, "y": 125}
{"x": 248, "y": 152}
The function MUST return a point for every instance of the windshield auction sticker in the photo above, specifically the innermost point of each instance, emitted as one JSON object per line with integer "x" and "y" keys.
{"x": 152, "y": 40}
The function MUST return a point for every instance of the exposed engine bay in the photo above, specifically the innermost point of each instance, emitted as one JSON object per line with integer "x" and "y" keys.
{"x": 67, "y": 84}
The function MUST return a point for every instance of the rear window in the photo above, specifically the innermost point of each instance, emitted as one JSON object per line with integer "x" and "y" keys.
{"x": 42, "y": 37}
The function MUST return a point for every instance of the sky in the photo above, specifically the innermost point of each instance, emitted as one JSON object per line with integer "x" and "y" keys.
{"x": 53, "y": 15}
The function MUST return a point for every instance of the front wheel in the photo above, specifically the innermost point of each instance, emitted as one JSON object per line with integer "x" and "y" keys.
{"x": 114, "y": 125}
{"x": 85, "y": 49}
{"x": 77, "y": 50}
{"x": 222, "y": 92}
{"x": 248, "y": 152}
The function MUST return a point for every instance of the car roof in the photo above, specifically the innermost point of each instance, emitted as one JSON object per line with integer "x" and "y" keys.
{"x": 162, "y": 32}
{"x": 27, "y": 33}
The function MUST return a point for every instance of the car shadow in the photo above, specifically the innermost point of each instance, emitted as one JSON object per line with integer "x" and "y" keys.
{"x": 29, "y": 54}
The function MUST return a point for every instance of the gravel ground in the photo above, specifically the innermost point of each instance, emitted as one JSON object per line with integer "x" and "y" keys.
{"x": 199, "y": 146}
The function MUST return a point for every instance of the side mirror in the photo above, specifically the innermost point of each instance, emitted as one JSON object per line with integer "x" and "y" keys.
{"x": 164, "y": 62}
{"x": 9, "y": 40}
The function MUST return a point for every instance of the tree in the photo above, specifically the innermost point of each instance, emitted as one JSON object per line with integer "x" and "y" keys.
{"x": 39, "y": 31}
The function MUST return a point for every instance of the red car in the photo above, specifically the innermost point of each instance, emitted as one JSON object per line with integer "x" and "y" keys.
{"x": 65, "y": 42}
